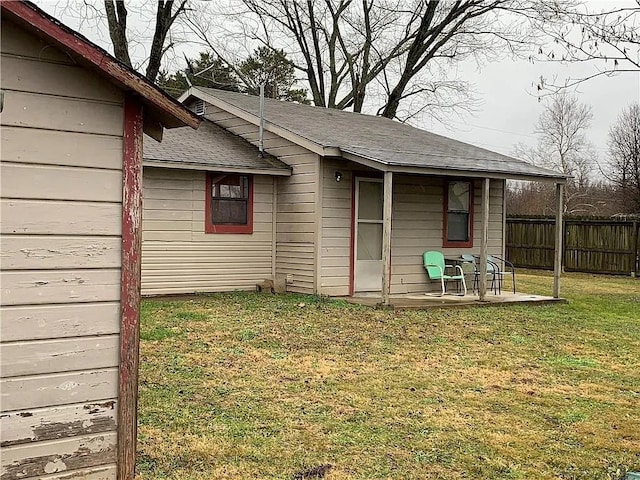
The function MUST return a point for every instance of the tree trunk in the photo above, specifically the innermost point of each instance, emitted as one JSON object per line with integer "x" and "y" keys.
{"x": 117, "y": 20}
{"x": 164, "y": 20}
{"x": 393, "y": 101}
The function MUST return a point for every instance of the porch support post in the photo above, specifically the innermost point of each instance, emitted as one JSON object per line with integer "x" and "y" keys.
{"x": 484, "y": 240}
{"x": 130, "y": 278}
{"x": 386, "y": 237}
{"x": 557, "y": 263}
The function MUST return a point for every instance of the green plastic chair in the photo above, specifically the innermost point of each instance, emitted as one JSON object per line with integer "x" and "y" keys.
{"x": 436, "y": 269}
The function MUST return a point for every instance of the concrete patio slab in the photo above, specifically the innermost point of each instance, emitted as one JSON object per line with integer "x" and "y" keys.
{"x": 418, "y": 301}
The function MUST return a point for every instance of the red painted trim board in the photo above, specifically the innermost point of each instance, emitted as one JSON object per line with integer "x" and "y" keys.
{"x": 216, "y": 228}
{"x": 130, "y": 287}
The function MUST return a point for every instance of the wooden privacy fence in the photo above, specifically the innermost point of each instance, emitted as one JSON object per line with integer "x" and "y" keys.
{"x": 594, "y": 245}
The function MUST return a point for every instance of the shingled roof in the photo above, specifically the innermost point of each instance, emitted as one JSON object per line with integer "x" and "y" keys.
{"x": 375, "y": 141}
{"x": 210, "y": 148}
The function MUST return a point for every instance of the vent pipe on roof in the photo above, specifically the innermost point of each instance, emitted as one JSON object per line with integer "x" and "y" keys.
{"x": 261, "y": 134}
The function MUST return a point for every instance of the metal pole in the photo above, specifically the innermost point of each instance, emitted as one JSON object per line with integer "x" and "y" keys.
{"x": 557, "y": 264}
{"x": 386, "y": 236}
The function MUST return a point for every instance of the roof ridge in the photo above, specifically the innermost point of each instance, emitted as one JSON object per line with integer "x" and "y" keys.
{"x": 298, "y": 104}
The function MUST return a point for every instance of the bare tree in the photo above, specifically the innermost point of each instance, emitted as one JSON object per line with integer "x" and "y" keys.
{"x": 535, "y": 198}
{"x": 561, "y": 131}
{"x": 608, "y": 39}
{"x": 398, "y": 54}
{"x": 624, "y": 154}
{"x": 117, "y": 21}
{"x": 133, "y": 27}
{"x": 563, "y": 146}
{"x": 530, "y": 198}
{"x": 167, "y": 11}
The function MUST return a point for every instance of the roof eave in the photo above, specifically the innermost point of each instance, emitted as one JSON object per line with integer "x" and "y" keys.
{"x": 166, "y": 110}
{"x": 501, "y": 175}
{"x": 281, "y": 172}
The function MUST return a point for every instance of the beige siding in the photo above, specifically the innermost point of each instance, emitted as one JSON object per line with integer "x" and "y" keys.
{"x": 297, "y": 197}
{"x": 417, "y": 226}
{"x": 336, "y": 229}
{"x": 61, "y": 209}
{"x": 179, "y": 257}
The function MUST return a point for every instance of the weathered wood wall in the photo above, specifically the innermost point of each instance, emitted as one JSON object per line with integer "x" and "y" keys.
{"x": 61, "y": 208}
{"x": 594, "y": 245}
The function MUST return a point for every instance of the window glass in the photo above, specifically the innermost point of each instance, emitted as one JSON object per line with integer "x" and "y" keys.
{"x": 459, "y": 196}
{"x": 229, "y": 202}
{"x": 369, "y": 241}
{"x": 458, "y": 207}
{"x": 229, "y": 212}
{"x": 370, "y": 199}
{"x": 458, "y": 227}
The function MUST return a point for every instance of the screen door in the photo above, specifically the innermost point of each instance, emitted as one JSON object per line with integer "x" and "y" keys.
{"x": 368, "y": 235}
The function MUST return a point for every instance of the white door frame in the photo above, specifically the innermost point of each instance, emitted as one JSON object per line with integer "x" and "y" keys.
{"x": 377, "y": 285}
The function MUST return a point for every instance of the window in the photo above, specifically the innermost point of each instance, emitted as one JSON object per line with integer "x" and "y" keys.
{"x": 229, "y": 203}
{"x": 458, "y": 218}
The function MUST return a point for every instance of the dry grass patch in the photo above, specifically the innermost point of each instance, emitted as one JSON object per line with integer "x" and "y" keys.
{"x": 258, "y": 386}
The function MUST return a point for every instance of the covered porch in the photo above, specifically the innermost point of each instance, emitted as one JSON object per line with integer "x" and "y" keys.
{"x": 386, "y": 288}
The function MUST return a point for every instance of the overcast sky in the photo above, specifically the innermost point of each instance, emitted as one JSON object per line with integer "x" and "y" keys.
{"x": 508, "y": 107}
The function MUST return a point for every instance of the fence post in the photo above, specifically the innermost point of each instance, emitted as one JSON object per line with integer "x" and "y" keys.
{"x": 565, "y": 227}
{"x": 635, "y": 248}
{"x": 557, "y": 263}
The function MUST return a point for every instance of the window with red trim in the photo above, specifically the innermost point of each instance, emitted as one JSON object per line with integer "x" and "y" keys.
{"x": 458, "y": 214}
{"x": 229, "y": 203}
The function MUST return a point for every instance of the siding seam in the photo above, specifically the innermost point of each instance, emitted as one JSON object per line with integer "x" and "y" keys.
{"x": 68, "y": 97}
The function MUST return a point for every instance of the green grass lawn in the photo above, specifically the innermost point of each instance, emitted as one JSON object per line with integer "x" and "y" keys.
{"x": 253, "y": 386}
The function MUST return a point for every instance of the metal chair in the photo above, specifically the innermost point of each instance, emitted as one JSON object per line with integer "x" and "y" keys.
{"x": 436, "y": 267}
{"x": 501, "y": 271}
{"x": 492, "y": 271}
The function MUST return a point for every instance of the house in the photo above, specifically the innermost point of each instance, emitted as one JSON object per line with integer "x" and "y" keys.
{"x": 72, "y": 122}
{"x": 182, "y": 253}
{"x": 340, "y": 203}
